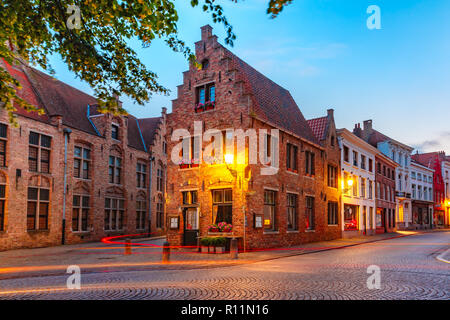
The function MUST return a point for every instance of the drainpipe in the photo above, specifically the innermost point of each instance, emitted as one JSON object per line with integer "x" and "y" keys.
{"x": 152, "y": 158}
{"x": 67, "y": 133}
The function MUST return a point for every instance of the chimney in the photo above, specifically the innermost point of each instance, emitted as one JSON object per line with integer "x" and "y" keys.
{"x": 330, "y": 113}
{"x": 367, "y": 126}
{"x": 357, "y": 130}
{"x": 206, "y": 32}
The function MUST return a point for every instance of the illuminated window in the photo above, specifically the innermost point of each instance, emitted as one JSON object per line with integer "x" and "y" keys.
{"x": 269, "y": 210}
{"x": 189, "y": 197}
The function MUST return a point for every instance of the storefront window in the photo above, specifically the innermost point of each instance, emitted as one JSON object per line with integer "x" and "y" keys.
{"x": 350, "y": 217}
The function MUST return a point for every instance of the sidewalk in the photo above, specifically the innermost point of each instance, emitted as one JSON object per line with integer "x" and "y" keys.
{"x": 146, "y": 255}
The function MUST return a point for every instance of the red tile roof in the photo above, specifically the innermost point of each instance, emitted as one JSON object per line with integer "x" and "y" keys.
{"x": 429, "y": 158}
{"x": 319, "y": 127}
{"x": 271, "y": 102}
{"x": 148, "y": 127}
{"x": 59, "y": 98}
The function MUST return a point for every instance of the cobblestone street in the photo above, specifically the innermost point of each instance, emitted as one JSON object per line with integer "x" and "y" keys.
{"x": 409, "y": 270}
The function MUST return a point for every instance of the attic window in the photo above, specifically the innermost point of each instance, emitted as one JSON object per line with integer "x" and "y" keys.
{"x": 205, "y": 64}
{"x": 205, "y": 97}
{"x": 115, "y": 131}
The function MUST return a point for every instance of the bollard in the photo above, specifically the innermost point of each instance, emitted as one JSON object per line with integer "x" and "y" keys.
{"x": 128, "y": 246}
{"x": 234, "y": 248}
{"x": 166, "y": 252}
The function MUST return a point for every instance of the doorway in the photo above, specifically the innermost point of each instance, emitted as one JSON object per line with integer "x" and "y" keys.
{"x": 190, "y": 234}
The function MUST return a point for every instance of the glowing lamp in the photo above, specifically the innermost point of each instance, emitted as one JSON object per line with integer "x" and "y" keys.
{"x": 229, "y": 158}
{"x": 350, "y": 182}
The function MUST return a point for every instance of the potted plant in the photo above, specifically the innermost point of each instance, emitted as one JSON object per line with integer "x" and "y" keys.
{"x": 225, "y": 227}
{"x": 209, "y": 105}
{"x": 219, "y": 243}
{"x": 199, "y": 108}
{"x": 213, "y": 228}
{"x": 205, "y": 242}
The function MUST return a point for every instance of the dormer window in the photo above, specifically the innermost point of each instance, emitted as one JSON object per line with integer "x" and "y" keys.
{"x": 115, "y": 131}
{"x": 205, "y": 97}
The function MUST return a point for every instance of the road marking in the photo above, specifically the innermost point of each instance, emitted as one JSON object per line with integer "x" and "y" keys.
{"x": 441, "y": 256}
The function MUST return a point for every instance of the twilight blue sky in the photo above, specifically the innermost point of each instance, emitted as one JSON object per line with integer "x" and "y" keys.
{"x": 323, "y": 53}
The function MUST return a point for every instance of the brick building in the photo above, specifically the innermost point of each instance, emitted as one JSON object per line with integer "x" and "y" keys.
{"x": 109, "y": 160}
{"x": 281, "y": 209}
{"x": 385, "y": 193}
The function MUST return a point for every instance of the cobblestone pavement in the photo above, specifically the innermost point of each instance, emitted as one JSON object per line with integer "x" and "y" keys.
{"x": 409, "y": 270}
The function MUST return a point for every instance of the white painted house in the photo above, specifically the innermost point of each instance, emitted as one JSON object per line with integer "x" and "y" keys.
{"x": 422, "y": 196}
{"x": 358, "y": 185}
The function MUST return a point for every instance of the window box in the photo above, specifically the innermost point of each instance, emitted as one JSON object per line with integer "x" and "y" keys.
{"x": 292, "y": 170}
{"x": 199, "y": 108}
{"x": 209, "y": 105}
{"x": 184, "y": 166}
{"x": 195, "y": 165}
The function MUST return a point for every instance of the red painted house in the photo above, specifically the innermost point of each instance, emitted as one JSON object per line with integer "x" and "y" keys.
{"x": 434, "y": 161}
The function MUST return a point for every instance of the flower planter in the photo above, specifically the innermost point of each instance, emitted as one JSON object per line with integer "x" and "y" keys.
{"x": 220, "y": 250}
{"x": 205, "y": 249}
{"x": 194, "y": 165}
{"x": 184, "y": 166}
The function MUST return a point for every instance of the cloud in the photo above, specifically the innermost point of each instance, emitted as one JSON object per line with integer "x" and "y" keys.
{"x": 442, "y": 142}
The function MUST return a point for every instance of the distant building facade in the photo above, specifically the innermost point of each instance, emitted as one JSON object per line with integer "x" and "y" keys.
{"x": 422, "y": 196}
{"x": 358, "y": 185}
{"x": 437, "y": 162}
{"x": 401, "y": 154}
{"x": 385, "y": 193}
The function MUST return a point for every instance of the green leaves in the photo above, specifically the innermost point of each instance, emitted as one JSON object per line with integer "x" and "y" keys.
{"x": 97, "y": 52}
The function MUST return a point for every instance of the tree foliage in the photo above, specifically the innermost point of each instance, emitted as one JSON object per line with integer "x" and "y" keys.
{"x": 97, "y": 52}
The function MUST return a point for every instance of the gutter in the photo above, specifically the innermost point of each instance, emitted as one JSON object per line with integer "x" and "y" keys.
{"x": 88, "y": 114}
